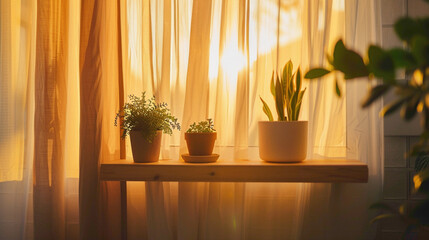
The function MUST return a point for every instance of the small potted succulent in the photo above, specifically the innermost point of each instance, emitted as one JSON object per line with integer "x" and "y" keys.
{"x": 145, "y": 120}
{"x": 284, "y": 140}
{"x": 200, "y": 139}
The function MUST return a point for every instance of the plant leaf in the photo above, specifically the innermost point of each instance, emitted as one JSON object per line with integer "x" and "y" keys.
{"x": 283, "y": 92}
{"x": 272, "y": 86}
{"x": 406, "y": 28}
{"x": 298, "y": 80}
{"x": 287, "y": 78}
{"x": 424, "y": 23}
{"x": 409, "y": 110}
{"x": 422, "y": 162}
{"x": 291, "y": 86}
{"x": 337, "y": 88}
{"x": 382, "y": 216}
{"x": 284, "y": 75}
{"x": 266, "y": 110}
{"x": 293, "y": 104}
{"x": 316, "y": 73}
{"x": 349, "y": 62}
{"x": 289, "y": 111}
{"x": 330, "y": 59}
{"x": 289, "y": 68}
{"x": 381, "y": 64}
{"x": 402, "y": 58}
{"x": 374, "y": 94}
{"x": 393, "y": 106}
{"x": 279, "y": 101}
{"x": 299, "y": 102}
{"x": 420, "y": 212}
{"x": 421, "y": 181}
{"x": 420, "y": 49}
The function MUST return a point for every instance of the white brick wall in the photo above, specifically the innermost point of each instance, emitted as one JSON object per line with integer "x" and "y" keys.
{"x": 399, "y": 136}
{"x": 392, "y": 10}
{"x": 398, "y": 184}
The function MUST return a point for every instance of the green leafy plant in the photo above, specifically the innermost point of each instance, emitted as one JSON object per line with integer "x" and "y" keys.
{"x": 202, "y": 127}
{"x": 146, "y": 116}
{"x": 287, "y": 94}
{"x": 422, "y": 162}
{"x": 412, "y": 97}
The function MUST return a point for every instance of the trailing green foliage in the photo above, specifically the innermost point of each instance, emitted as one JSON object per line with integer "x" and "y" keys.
{"x": 146, "y": 116}
{"x": 411, "y": 97}
{"x": 422, "y": 162}
{"x": 414, "y": 215}
{"x": 202, "y": 127}
{"x": 287, "y": 94}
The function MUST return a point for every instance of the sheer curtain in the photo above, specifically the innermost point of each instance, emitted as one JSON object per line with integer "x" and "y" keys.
{"x": 40, "y": 142}
{"x": 62, "y": 84}
{"x": 17, "y": 58}
{"x": 340, "y": 211}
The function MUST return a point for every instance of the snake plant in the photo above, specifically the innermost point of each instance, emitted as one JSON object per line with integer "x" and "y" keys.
{"x": 287, "y": 94}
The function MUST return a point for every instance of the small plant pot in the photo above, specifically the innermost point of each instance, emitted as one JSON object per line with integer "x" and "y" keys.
{"x": 283, "y": 141}
{"x": 144, "y": 151}
{"x": 200, "y": 144}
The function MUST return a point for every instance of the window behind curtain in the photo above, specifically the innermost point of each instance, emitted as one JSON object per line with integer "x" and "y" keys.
{"x": 15, "y": 108}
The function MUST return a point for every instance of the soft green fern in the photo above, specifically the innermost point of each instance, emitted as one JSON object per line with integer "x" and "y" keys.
{"x": 146, "y": 116}
{"x": 287, "y": 94}
{"x": 202, "y": 127}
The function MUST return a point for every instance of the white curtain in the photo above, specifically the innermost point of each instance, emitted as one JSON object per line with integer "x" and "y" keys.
{"x": 30, "y": 39}
{"x": 206, "y": 59}
{"x": 17, "y": 51}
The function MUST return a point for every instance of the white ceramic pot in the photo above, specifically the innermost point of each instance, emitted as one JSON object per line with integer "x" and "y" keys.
{"x": 283, "y": 141}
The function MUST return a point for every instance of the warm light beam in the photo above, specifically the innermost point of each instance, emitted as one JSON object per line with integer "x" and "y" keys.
{"x": 232, "y": 62}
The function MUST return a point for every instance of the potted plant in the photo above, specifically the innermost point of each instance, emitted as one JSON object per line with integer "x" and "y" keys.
{"x": 412, "y": 97}
{"x": 284, "y": 140}
{"x": 145, "y": 120}
{"x": 200, "y": 139}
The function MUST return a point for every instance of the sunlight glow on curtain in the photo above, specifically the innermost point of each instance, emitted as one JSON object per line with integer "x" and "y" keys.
{"x": 100, "y": 84}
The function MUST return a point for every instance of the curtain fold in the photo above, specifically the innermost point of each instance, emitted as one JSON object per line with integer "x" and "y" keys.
{"x": 99, "y": 209}
{"x": 50, "y": 106}
{"x": 364, "y": 126}
{"x": 326, "y": 117}
{"x": 90, "y": 139}
{"x": 330, "y": 215}
{"x": 195, "y": 108}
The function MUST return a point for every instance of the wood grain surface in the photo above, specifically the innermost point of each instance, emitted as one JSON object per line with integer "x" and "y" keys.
{"x": 240, "y": 170}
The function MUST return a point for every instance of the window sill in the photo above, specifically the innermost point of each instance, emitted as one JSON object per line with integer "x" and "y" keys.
{"x": 237, "y": 171}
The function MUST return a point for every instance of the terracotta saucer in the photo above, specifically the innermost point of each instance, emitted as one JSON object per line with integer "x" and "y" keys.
{"x": 200, "y": 159}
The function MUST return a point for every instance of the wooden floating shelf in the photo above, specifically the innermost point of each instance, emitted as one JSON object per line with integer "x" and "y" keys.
{"x": 236, "y": 171}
